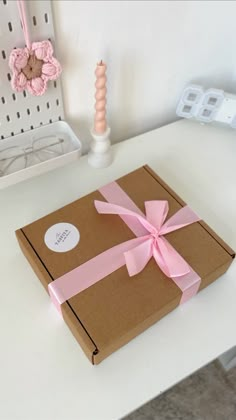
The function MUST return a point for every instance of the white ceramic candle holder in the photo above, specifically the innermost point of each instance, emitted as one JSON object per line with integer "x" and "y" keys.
{"x": 100, "y": 150}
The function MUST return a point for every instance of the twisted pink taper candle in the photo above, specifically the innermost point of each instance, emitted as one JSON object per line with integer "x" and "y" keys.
{"x": 100, "y": 123}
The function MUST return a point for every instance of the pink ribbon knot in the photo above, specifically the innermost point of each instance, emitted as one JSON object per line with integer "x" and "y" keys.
{"x": 151, "y": 241}
{"x": 135, "y": 253}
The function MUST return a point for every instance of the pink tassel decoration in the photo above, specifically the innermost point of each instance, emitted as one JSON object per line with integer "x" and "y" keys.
{"x": 34, "y": 65}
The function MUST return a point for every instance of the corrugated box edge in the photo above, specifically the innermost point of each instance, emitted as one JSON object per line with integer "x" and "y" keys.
{"x": 70, "y": 318}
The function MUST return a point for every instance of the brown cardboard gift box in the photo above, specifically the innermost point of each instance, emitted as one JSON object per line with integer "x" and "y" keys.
{"x": 113, "y": 311}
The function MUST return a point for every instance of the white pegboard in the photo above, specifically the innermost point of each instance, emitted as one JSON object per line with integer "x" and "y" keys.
{"x": 21, "y": 112}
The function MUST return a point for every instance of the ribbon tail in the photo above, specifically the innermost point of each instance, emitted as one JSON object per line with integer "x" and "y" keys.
{"x": 169, "y": 260}
{"x": 137, "y": 258}
{"x": 184, "y": 217}
{"x": 90, "y": 272}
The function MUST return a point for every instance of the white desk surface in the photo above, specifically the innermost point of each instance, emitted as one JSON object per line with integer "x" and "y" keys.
{"x": 44, "y": 373}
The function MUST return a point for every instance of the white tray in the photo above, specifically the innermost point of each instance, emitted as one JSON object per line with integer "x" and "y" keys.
{"x": 59, "y": 128}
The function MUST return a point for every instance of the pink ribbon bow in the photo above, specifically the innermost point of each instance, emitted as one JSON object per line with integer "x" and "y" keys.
{"x": 152, "y": 243}
{"x": 134, "y": 253}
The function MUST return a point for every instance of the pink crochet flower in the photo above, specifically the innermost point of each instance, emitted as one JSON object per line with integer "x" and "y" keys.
{"x": 33, "y": 68}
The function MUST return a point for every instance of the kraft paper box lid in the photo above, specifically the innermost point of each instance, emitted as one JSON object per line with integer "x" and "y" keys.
{"x": 113, "y": 311}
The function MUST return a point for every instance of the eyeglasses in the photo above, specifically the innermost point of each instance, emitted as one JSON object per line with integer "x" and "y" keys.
{"x": 15, "y": 158}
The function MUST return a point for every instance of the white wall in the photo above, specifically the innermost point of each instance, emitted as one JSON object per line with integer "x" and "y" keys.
{"x": 152, "y": 49}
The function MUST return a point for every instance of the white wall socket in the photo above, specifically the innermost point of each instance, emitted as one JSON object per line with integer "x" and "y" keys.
{"x": 207, "y": 106}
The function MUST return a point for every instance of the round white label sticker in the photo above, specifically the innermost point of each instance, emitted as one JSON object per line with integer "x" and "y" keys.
{"x": 62, "y": 237}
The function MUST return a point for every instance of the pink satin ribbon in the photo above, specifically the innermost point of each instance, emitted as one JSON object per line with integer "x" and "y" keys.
{"x": 22, "y": 12}
{"x": 135, "y": 253}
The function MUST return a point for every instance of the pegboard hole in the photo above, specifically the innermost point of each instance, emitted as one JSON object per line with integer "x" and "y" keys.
{"x": 41, "y": 123}
{"x": 55, "y": 84}
{"x": 10, "y": 26}
{"x": 9, "y": 76}
{"x": 12, "y": 133}
{"x": 4, "y": 55}
{"x": 31, "y": 127}
{"x": 46, "y": 17}
{"x": 2, "y": 137}
{"x": 50, "y": 121}
{"x": 57, "y": 102}
{"x": 18, "y": 115}
{"x": 59, "y": 118}
{"x": 14, "y": 97}
{"x": 22, "y": 130}
{"x": 4, "y": 2}
{"x": 24, "y": 93}
{"x": 8, "y": 118}
{"x": 48, "y": 105}
{"x": 34, "y": 20}
{"x": 28, "y": 111}
{"x": 3, "y": 100}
